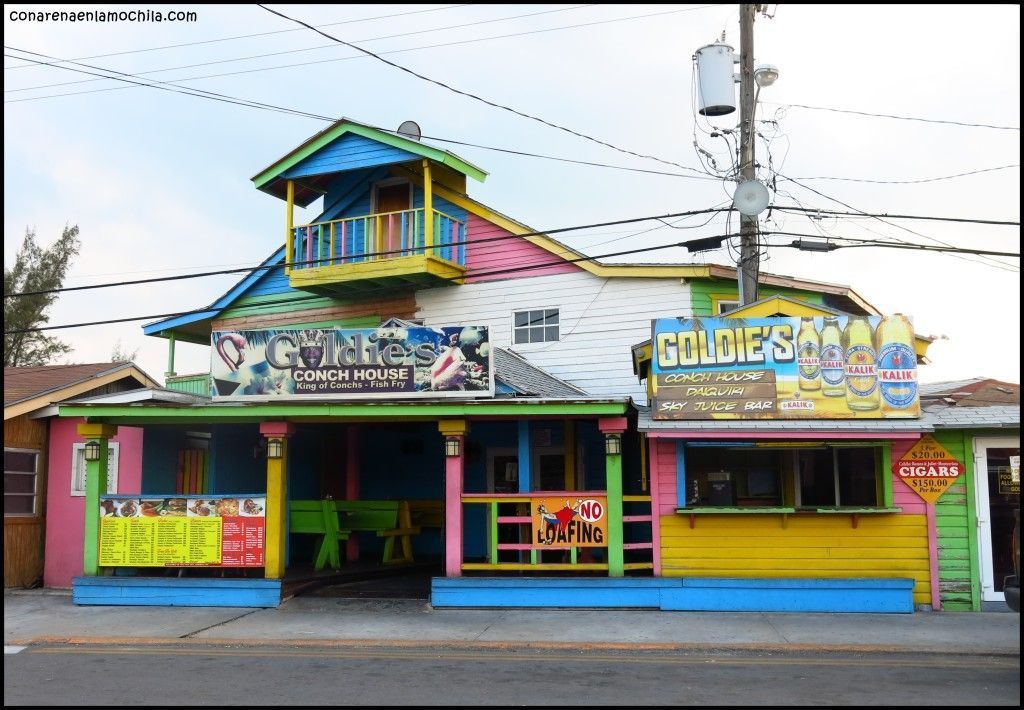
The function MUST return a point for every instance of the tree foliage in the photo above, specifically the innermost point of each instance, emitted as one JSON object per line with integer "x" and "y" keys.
{"x": 35, "y": 269}
{"x": 121, "y": 353}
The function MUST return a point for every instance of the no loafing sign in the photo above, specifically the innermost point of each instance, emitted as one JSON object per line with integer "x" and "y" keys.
{"x": 928, "y": 468}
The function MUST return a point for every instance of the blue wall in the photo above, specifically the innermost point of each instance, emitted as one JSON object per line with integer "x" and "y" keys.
{"x": 349, "y": 152}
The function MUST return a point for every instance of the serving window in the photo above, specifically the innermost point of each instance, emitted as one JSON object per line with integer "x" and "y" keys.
{"x": 812, "y": 476}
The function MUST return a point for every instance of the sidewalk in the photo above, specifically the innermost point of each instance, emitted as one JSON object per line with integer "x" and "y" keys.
{"x": 39, "y": 616}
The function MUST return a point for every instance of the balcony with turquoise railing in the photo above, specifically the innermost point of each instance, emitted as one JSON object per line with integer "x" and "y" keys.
{"x": 415, "y": 248}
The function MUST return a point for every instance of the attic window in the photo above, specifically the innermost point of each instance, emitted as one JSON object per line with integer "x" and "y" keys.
{"x": 724, "y": 306}
{"x": 536, "y": 326}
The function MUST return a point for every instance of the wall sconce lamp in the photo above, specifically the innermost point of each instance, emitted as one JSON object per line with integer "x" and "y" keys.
{"x": 452, "y": 446}
{"x": 275, "y": 449}
{"x": 92, "y": 451}
{"x": 613, "y": 444}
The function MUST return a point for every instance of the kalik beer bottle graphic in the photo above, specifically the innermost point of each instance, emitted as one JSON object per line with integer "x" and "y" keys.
{"x": 832, "y": 374}
{"x": 808, "y": 348}
{"x": 861, "y": 365}
{"x": 897, "y": 366}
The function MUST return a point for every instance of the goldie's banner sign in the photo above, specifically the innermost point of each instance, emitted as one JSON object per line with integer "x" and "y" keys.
{"x": 928, "y": 468}
{"x": 564, "y": 522}
{"x": 352, "y": 363}
{"x": 834, "y": 367}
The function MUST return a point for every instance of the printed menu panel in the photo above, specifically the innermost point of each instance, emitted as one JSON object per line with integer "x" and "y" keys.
{"x": 182, "y": 532}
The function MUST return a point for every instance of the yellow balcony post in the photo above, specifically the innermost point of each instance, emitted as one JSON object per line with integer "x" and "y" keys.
{"x": 289, "y": 227}
{"x": 428, "y": 208}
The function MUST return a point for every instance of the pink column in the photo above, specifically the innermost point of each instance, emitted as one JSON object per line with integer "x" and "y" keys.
{"x": 352, "y": 484}
{"x": 654, "y": 476}
{"x": 453, "y": 470}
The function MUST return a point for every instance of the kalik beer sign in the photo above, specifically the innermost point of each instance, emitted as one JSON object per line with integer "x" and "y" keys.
{"x": 928, "y": 468}
{"x": 564, "y": 522}
{"x": 386, "y": 362}
{"x": 833, "y": 367}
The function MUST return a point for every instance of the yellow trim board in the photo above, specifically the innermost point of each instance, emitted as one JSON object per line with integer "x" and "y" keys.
{"x": 385, "y": 268}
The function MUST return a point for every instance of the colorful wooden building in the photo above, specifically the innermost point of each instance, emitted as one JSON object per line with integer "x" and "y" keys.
{"x": 415, "y": 376}
{"x": 44, "y": 506}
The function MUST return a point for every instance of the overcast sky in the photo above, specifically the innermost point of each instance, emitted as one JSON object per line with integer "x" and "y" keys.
{"x": 159, "y": 183}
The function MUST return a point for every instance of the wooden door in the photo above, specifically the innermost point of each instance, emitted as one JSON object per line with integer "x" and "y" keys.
{"x": 390, "y": 199}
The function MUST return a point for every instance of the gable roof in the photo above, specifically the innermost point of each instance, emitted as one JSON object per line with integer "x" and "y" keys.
{"x": 27, "y": 389}
{"x": 272, "y": 181}
{"x": 975, "y": 392}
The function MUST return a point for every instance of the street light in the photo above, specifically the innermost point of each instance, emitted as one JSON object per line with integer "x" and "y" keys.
{"x": 766, "y": 74}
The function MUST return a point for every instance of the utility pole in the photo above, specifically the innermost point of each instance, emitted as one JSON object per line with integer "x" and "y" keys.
{"x": 747, "y": 268}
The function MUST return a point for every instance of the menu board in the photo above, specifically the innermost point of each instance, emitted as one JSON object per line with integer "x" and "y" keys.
{"x": 182, "y": 532}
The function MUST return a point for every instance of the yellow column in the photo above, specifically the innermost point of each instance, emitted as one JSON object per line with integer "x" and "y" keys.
{"x": 289, "y": 239}
{"x": 276, "y": 531}
{"x": 428, "y": 207}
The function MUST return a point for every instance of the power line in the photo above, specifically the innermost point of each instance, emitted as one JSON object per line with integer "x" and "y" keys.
{"x": 914, "y": 182}
{"x": 988, "y": 260}
{"x": 475, "y": 97}
{"x": 250, "y": 269}
{"x": 900, "y": 118}
{"x": 306, "y": 49}
{"x": 257, "y": 34}
{"x": 788, "y": 208}
{"x": 359, "y": 56}
{"x": 888, "y": 244}
{"x": 516, "y": 269}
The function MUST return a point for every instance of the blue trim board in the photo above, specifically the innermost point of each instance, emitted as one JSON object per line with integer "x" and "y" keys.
{"x": 173, "y": 591}
{"x": 678, "y": 594}
{"x": 523, "y": 457}
{"x": 681, "y": 474}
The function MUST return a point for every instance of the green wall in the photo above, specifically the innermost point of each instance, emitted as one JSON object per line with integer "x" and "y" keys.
{"x": 701, "y": 291}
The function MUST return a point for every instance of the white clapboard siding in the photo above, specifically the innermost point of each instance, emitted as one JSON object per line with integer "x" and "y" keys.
{"x": 600, "y": 319}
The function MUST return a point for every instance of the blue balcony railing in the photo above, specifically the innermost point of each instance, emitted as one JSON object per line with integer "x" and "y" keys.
{"x": 377, "y": 237}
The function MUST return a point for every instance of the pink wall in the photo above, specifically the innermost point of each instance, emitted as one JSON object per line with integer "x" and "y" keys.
{"x": 903, "y": 495}
{"x": 65, "y": 513}
{"x": 504, "y": 254}
{"x": 662, "y": 464}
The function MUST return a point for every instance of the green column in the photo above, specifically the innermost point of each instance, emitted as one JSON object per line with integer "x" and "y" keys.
{"x": 613, "y": 471}
{"x": 171, "y": 342}
{"x": 95, "y": 488}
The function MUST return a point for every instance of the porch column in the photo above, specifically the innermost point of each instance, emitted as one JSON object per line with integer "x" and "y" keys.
{"x": 276, "y": 532}
{"x": 613, "y": 428}
{"x": 95, "y": 488}
{"x": 454, "y": 432}
{"x": 352, "y": 484}
{"x": 171, "y": 340}
{"x": 428, "y": 208}
{"x": 289, "y": 228}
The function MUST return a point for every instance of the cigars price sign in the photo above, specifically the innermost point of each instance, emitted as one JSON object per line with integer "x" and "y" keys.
{"x": 182, "y": 532}
{"x": 385, "y": 362}
{"x": 928, "y": 468}
{"x": 564, "y": 522}
{"x": 833, "y": 367}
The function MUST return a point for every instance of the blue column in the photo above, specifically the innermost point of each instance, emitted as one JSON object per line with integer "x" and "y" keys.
{"x": 681, "y": 493}
{"x": 524, "y": 456}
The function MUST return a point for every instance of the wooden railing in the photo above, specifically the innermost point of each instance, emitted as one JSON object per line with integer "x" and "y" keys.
{"x": 376, "y": 237}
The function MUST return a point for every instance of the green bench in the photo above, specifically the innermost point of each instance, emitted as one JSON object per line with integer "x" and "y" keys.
{"x": 336, "y": 520}
{"x": 318, "y": 517}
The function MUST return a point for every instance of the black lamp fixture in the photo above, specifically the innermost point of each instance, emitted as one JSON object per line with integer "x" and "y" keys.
{"x": 613, "y": 444}
{"x": 452, "y": 446}
{"x": 275, "y": 448}
{"x": 92, "y": 451}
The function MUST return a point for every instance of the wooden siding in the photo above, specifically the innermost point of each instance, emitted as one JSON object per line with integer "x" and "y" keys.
{"x": 508, "y": 252}
{"x": 805, "y": 546}
{"x": 705, "y": 291}
{"x": 402, "y": 306}
{"x": 600, "y": 319}
{"x": 959, "y": 578}
{"x": 23, "y": 535}
{"x": 349, "y": 152}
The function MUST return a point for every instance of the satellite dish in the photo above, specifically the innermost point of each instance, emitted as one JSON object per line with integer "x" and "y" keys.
{"x": 410, "y": 129}
{"x": 751, "y": 198}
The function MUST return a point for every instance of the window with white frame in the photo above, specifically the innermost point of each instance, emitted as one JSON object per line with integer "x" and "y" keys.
{"x": 535, "y": 326}
{"x": 78, "y": 468}
{"x": 724, "y": 306}
{"x": 21, "y": 481}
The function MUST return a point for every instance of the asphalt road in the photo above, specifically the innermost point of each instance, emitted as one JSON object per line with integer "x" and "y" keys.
{"x": 347, "y": 675}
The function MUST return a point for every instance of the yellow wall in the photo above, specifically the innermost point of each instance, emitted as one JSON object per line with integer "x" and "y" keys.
{"x": 815, "y": 546}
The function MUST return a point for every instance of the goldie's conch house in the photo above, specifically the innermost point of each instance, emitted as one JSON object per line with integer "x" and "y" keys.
{"x": 415, "y": 382}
